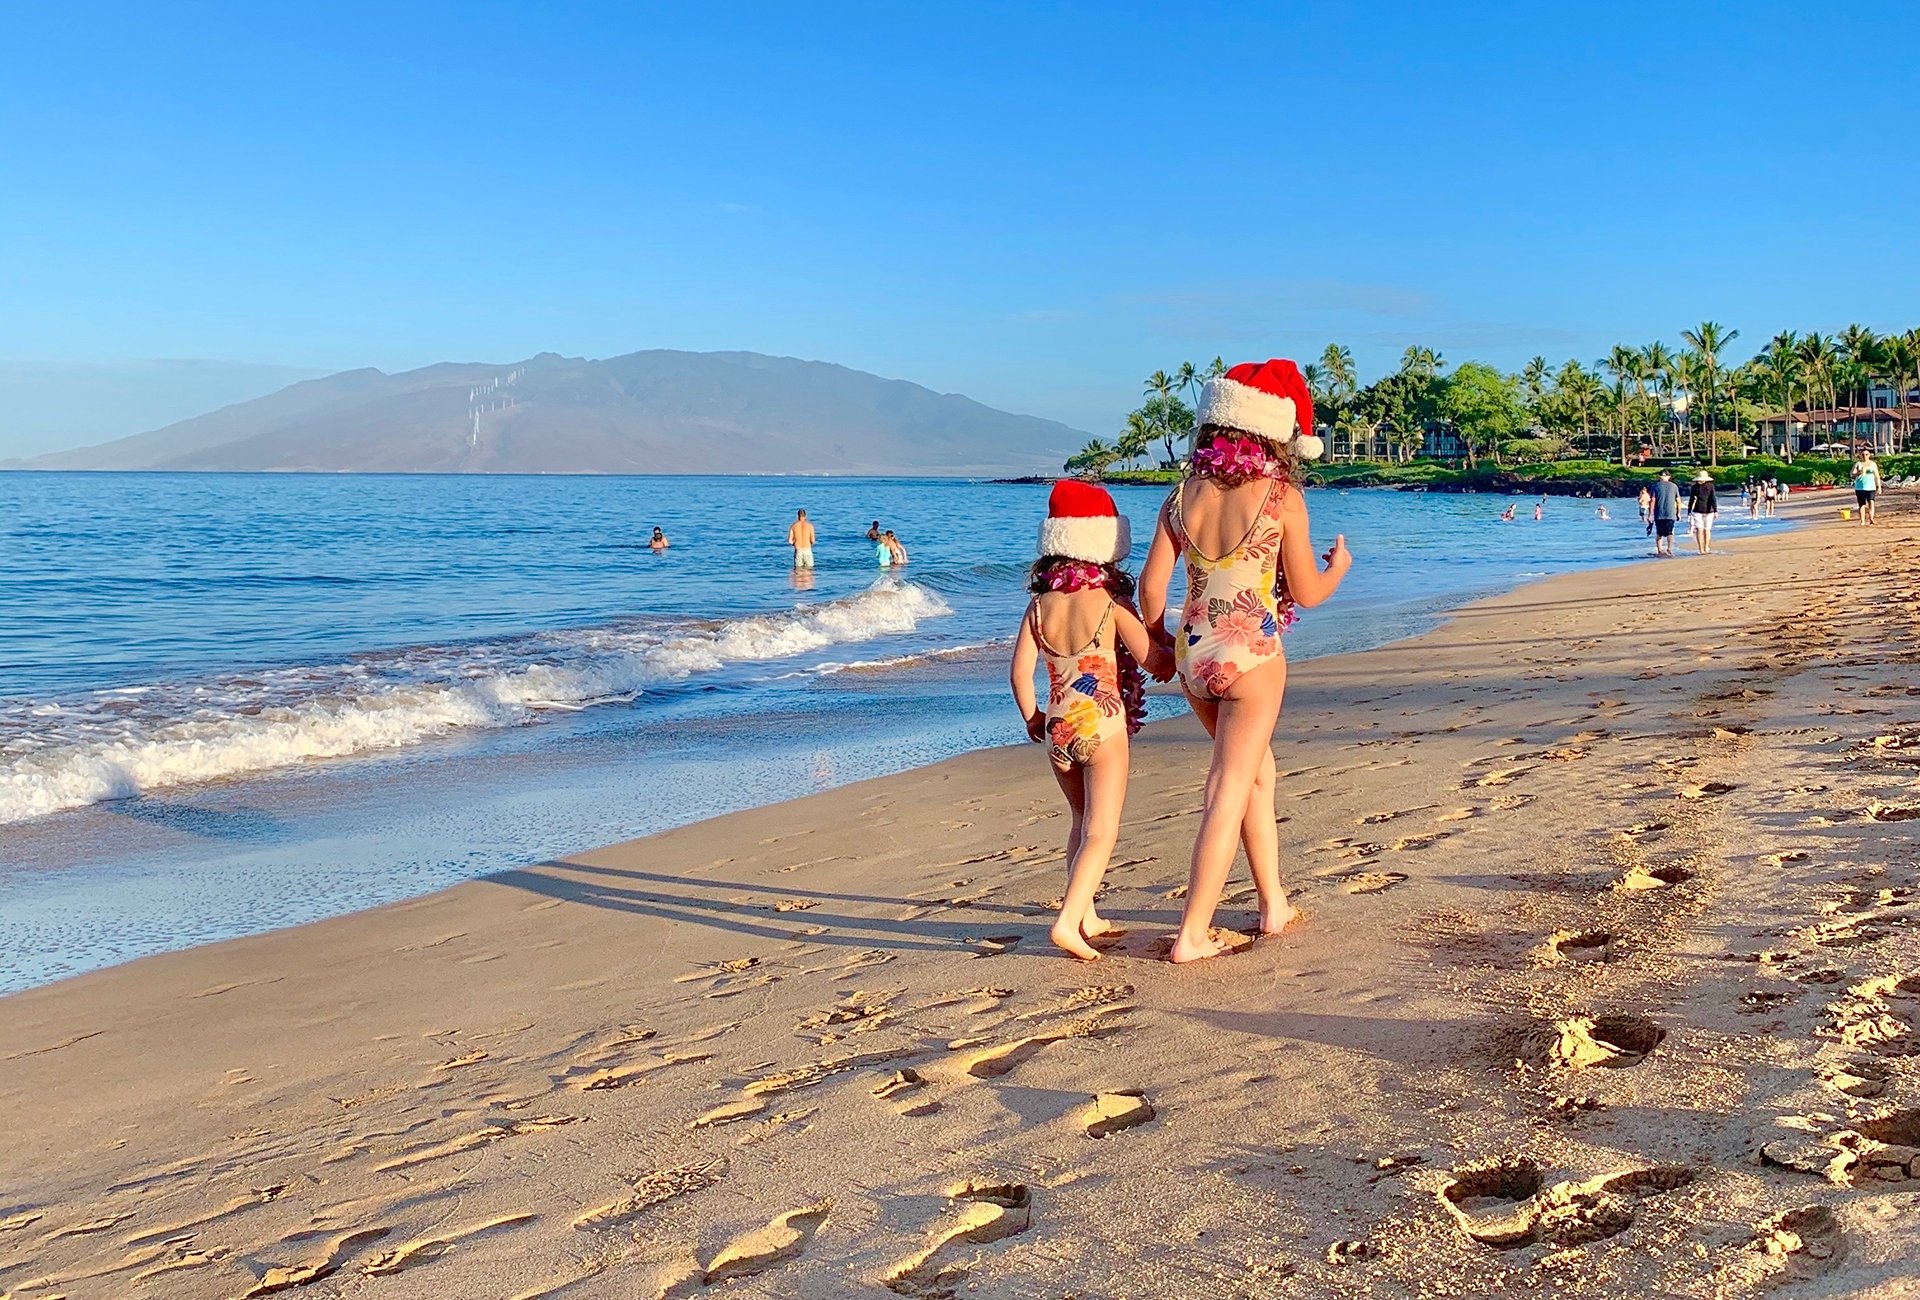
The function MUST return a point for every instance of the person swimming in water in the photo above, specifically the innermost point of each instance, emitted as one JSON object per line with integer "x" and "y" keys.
{"x": 1506, "y": 516}
{"x": 659, "y": 541}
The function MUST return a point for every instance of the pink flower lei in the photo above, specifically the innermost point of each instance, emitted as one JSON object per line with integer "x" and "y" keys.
{"x": 1226, "y": 456}
{"x": 1075, "y": 575}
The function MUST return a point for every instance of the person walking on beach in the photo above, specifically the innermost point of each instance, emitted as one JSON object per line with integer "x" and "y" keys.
{"x": 1773, "y": 492}
{"x": 1646, "y": 508}
{"x": 1096, "y": 698}
{"x": 1666, "y": 512}
{"x": 1240, "y": 522}
{"x": 1866, "y": 486}
{"x": 1701, "y": 509}
{"x": 800, "y": 538}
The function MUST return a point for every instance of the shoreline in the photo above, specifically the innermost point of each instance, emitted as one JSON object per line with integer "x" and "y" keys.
{"x": 762, "y": 1042}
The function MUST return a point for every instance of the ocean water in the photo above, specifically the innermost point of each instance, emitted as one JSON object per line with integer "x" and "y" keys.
{"x": 230, "y": 702}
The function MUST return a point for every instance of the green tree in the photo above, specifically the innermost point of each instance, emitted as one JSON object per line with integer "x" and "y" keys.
{"x": 1421, "y": 362}
{"x": 1709, "y": 341}
{"x": 1189, "y": 380}
{"x": 1656, "y": 364}
{"x": 1484, "y": 407}
{"x": 1094, "y": 459}
{"x": 1172, "y": 421}
{"x": 1136, "y": 440}
{"x": 1160, "y": 385}
{"x": 1861, "y": 348}
{"x": 1579, "y": 391}
{"x": 1780, "y": 369}
{"x": 1336, "y": 363}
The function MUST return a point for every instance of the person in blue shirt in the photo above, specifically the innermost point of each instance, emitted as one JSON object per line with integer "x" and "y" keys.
{"x": 1666, "y": 512}
{"x": 1866, "y": 486}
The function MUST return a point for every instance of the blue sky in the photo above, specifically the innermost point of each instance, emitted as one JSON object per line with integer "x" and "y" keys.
{"x": 1033, "y": 205}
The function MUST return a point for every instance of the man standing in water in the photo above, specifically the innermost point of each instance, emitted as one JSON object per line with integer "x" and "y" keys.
{"x": 1666, "y": 512}
{"x": 800, "y": 538}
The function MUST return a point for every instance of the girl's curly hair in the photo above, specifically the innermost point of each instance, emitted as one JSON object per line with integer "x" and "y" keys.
{"x": 1291, "y": 468}
{"x": 1118, "y": 582}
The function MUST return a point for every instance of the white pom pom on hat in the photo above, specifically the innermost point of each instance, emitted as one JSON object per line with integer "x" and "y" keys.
{"x": 1082, "y": 523}
{"x": 1267, "y": 399}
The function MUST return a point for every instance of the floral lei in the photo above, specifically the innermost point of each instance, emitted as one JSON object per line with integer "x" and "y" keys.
{"x": 1079, "y": 575}
{"x": 1223, "y": 455}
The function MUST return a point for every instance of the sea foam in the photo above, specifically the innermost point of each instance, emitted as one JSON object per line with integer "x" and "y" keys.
{"x": 67, "y": 755}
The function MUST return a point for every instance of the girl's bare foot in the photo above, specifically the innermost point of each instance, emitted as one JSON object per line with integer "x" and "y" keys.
{"x": 1099, "y": 927}
{"x": 1066, "y": 937}
{"x": 1185, "y": 950}
{"x": 1273, "y": 922}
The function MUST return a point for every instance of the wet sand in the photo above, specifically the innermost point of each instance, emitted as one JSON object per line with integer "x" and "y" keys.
{"x": 1607, "y": 984}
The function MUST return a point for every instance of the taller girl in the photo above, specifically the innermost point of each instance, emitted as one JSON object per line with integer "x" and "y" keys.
{"x": 1239, "y": 521}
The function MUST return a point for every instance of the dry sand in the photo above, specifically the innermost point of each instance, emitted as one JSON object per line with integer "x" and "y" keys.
{"x": 1608, "y": 985}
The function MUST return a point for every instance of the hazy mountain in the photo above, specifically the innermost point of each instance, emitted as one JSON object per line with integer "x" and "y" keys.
{"x": 655, "y": 412}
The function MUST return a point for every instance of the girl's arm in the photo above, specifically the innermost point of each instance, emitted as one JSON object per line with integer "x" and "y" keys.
{"x": 1155, "y": 576}
{"x": 1026, "y": 656}
{"x": 1307, "y": 583}
{"x": 1148, "y": 653}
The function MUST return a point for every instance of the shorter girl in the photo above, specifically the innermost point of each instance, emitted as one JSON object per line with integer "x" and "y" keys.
{"x": 1082, "y": 620}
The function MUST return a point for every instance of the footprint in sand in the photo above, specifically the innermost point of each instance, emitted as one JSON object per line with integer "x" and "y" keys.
{"x": 284, "y": 1277}
{"x": 422, "y": 1249}
{"x": 753, "y": 1253}
{"x": 1602, "y": 1042}
{"x": 479, "y": 1138}
{"x": 1579, "y": 946}
{"x": 1116, "y": 1112}
{"x": 981, "y": 1214}
{"x": 1372, "y": 882}
{"x": 1641, "y": 878}
{"x": 1706, "y": 790}
{"x": 1507, "y": 1203}
{"x": 1002, "y": 1059}
{"x": 653, "y": 1189}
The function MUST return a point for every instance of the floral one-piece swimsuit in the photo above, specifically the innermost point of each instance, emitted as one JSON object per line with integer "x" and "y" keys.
{"x": 1085, "y": 708}
{"x": 1237, "y": 605}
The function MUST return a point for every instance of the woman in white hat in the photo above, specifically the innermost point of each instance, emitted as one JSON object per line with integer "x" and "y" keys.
{"x": 1701, "y": 509}
{"x": 1240, "y": 523}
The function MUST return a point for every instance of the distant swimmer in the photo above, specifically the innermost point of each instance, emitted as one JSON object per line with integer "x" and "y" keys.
{"x": 800, "y": 538}
{"x": 1601, "y": 512}
{"x": 1540, "y": 511}
{"x": 874, "y": 534}
{"x": 659, "y": 541}
{"x": 1506, "y": 516}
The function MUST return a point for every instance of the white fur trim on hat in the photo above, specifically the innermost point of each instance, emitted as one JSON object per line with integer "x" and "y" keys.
{"x": 1234, "y": 405}
{"x": 1309, "y": 446}
{"x": 1097, "y": 539}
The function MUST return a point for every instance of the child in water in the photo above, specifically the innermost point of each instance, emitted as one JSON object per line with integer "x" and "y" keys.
{"x": 1082, "y": 621}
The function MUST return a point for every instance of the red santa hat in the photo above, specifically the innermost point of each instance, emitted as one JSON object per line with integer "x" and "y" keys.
{"x": 1082, "y": 523}
{"x": 1266, "y": 399}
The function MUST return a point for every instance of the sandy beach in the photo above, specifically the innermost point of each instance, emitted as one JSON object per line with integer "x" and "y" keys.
{"x": 1607, "y": 984}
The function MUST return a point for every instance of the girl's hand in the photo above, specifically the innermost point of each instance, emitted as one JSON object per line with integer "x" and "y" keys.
{"x": 1159, "y": 663}
{"x": 1338, "y": 556}
{"x": 1037, "y": 727}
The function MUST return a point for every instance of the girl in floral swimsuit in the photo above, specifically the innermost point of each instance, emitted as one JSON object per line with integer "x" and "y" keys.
{"x": 1240, "y": 523}
{"x": 1082, "y": 622}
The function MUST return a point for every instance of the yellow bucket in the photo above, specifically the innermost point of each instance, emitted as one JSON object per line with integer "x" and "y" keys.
{"x": 1846, "y": 512}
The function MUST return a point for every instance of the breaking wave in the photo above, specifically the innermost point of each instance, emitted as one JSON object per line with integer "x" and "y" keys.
{"x": 119, "y": 743}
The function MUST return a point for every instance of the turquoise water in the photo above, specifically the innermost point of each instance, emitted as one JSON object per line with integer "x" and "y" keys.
{"x": 234, "y": 702}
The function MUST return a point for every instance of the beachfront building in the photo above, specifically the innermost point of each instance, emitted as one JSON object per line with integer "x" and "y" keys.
{"x": 1882, "y": 429}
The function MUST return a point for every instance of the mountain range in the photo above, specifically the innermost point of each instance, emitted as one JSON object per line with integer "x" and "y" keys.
{"x": 658, "y": 412}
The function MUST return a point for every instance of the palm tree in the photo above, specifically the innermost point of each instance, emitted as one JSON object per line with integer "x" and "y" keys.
{"x": 1656, "y": 364}
{"x": 1818, "y": 357}
{"x": 1161, "y": 385}
{"x": 1683, "y": 375}
{"x": 1781, "y": 366}
{"x": 1533, "y": 381}
{"x": 1136, "y": 440}
{"x": 1709, "y": 341}
{"x": 1903, "y": 362}
{"x": 1582, "y": 390}
{"x": 1627, "y": 366}
{"x": 1094, "y": 459}
{"x": 1316, "y": 382}
{"x": 1336, "y": 363}
{"x": 1861, "y": 347}
{"x": 1422, "y": 362}
{"x": 1189, "y": 381}
{"x": 1215, "y": 368}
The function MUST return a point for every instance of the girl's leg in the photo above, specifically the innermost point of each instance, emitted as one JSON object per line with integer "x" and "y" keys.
{"x": 1104, "y": 783}
{"x": 1243, "y": 733}
{"x": 1259, "y": 832}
